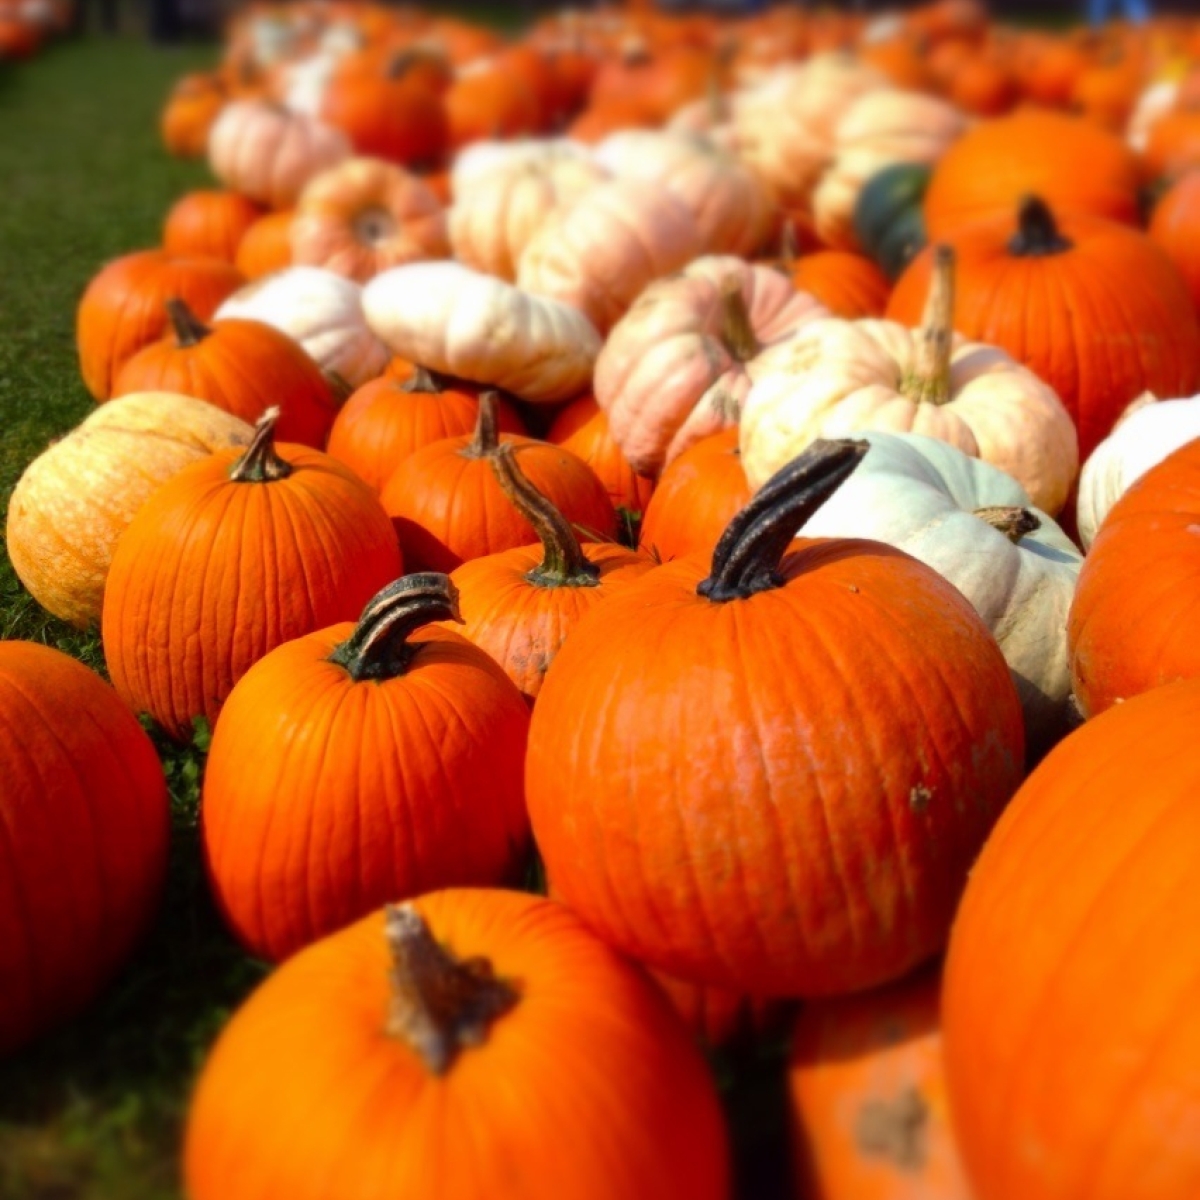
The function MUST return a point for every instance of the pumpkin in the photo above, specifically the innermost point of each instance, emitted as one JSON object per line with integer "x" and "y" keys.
{"x": 228, "y": 559}
{"x": 1070, "y": 163}
{"x": 364, "y": 216}
{"x": 487, "y": 100}
{"x": 266, "y": 246}
{"x": 582, "y": 428}
{"x": 983, "y": 86}
{"x": 1128, "y": 628}
{"x": 679, "y": 712}
{"x": 485, "y": 157}
{"x": 423, "y": 1017}
{"x": 867, "y": 1092}
{"x": 269, "y": 154}
{"x": 208, "y": 224}
{"x": 1173, "y": 146}
{"x": 976, "y": 527}
{"x": 436, "y": 735}
{"x": 600, "y": 253}
{"x": 1087, "y": 885}
{"x": 241, "y": 366}
{"x": 75, "y": 499}
{"x": 449, "y": 508}
{"x": 1173, "y": 227}
{"x": 662, "y": 81}
{"x": 889, "y": 223}
{"x": 847, "y": 284}
{"x": 188, "y": 115}
{"x": 838, "y": 377}
{"x": 498, "y": 212}
{"x": 520, "y": 605}
{"x": 388, "y": 419}
{"x": 123, "y": 308}
{"x": 1139, "y": 442}
{"x": 462, "y": 323}
{"x": 86, "y": 822}
{"x": 695, "y": 498}
{"x": 320, "y": 310}
{"x": 1019, "y": 282}
{"x": 679, "y": 364}
{"x": 721, "y": 1018}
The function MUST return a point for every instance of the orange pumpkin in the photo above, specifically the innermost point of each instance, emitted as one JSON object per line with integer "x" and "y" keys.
{"x": 86, "y": 821}
{"x": 448, "y": 507}
{"x": 209, "y": 224}
{"x": 720, "y": 1017}
{"x": 124, "y": 307}
{"x": 849, "y": 285}
{"x": 488, "y": 101}
{"x": 475, "y": 1044}
{"x": 243, "y": 367}
{"x": 846, "y": 677}
{"x": 266, "y": 246}
{"x": 432, "y": 737}
{"x": 189, "y": 114}
{"x": 1175, "y": 226}
{"x": 227, "y": 560}
{"x": 1173, "y": 146}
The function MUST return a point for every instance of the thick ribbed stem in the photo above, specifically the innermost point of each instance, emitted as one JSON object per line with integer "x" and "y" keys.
{"x": 1013, "y": 522}
{"x": 1037, "y": 231}
{"x": 260, "y": 463}
{"x": 928, "y": 381}
{"x": 423, "y": 382}
{"x": 487, "y": 427}
{"x": 189, "y": 330}
{"x": 736, "y": 331}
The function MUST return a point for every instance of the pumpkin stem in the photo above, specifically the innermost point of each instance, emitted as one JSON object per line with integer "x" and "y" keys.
{"x": 736, "y": 331}
{"x": 895, "y": 1130}
{"x": 1037, "y": 231}
{"x": 747, "y": 557}
{"x": 928, "y": 381}
{"x": 564, "y": 563}
{"x": 487, "y": 427}
{"x": 789, "y": 244}
{"x": 339, "y": 385}
{"x": 1013, "y": 522}
{"x": 422, "y": 382}
{"x": 260, "y": 463}
{"x": 379, "y": 648}
{"x": 189, "y": 329}
{"x": 440, "y": 1005}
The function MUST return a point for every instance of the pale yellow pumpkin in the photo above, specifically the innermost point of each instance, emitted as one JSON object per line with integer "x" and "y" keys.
{"x": 75, "y": 499}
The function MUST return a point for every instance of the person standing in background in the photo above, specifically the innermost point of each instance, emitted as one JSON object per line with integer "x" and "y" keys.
{"x": 1137, "y": 11}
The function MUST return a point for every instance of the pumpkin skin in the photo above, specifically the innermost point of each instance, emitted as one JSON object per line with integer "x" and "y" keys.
{"x": 123, "y": 308}
{"x": 1021, "y": 276}
{"x": 1070, "y": 163}
{"x": 301, "y": 541}
{"x": 1173, "y": 145}
{"x": 488, "y": 101}
{"x": 695, "y": 498}
{"x": 320, "y": 310}
{"x": 1128, "y": 627}
{"x": 1079, "y": 891}
{"x": 241, "y": 366}
{"x": 889, "y": 223}
{"x": 193, "y": 106}
{"x": 208, "y": 224}
{"x": 266, "y": 246}
{"x": 77, "y": 497}
{"x": 83, "y": 799}
{"x": 589, "y": 1035}
{"x": 437, "y": 736}
{"x": 869, "y": 1107}
{"x": 1173, "y": 227}
{"x": 631, "y": 768}
{"x": 724, "y": 1019}
{"x": 388, "y": 419}
{"x": 364, "y": 216}
{"x": 847, "y": 284}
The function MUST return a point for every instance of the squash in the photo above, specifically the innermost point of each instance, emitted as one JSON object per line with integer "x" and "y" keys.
{"x": 266, "y": 246}
{"x": 889, "y": 223}
{"x": 1173, "y": 227}
{"x": 208, "y": 224}
{"x": 847, "y": 284}
{"x": 193, "y": 105}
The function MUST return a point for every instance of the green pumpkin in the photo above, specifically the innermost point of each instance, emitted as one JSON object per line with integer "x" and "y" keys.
{"x": 888, "y": 219}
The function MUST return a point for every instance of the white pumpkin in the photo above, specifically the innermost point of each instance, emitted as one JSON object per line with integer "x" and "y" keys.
{"x": 320, "y": 310}
{"x": 481, "y": 158}
{"x": 1141, "y": 441}
{"x": 459, "y": 322}
{"x": 924, "y": 497}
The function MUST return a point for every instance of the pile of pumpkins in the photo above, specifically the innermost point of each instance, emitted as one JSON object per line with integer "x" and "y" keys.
{"x": 27, "y": 25}
{"x": 751, "y": 462}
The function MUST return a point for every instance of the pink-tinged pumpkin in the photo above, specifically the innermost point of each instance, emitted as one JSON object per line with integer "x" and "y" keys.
{"x": 85, "y": 821}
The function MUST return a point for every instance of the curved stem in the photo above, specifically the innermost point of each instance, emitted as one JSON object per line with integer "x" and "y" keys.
{"x": 789, "y": 245}
{"x": 747, "y": 557}
{"x": 564, "y": 563}
{"x": 423, "y": 382}
{"x": 736, "y": 331}
{"x": 1037, "y": 231}
{"x": 1012, "y": 521}
{"x": 487, "y": 427}
{"x": 928, "y": 380}
{"x": 379, "y": 648}
{"x": 188, "y": 328}
{"x": 440, "y": 1005}
{"x": 260, "y": 463}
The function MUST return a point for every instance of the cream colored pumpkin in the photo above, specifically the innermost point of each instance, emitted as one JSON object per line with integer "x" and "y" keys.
{"x": 1140, "y": 441}
{"x": 786, "y": 126}
{"x": 495, "y": 218}
{"x": 480, "y": 159}
{"x": 879, "y": 129}
{"x": 320, "y": 310}
{"x": 1155, "y": 102}
{"x": 268, "y": 153}
{"x": 679, "y": 364}
{"x": 600, "y": 253}
{"x": 460, "y": 322}
{"x": 977, "y": 527}
{"x": 364, "y": 216}
{"x": 836, "y": 378}
{"x": 76, "y": 498}
{"x": 733, "y": 211}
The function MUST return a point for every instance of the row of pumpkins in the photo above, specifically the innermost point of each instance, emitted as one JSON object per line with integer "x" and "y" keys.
{"x": 471, "y": 527}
